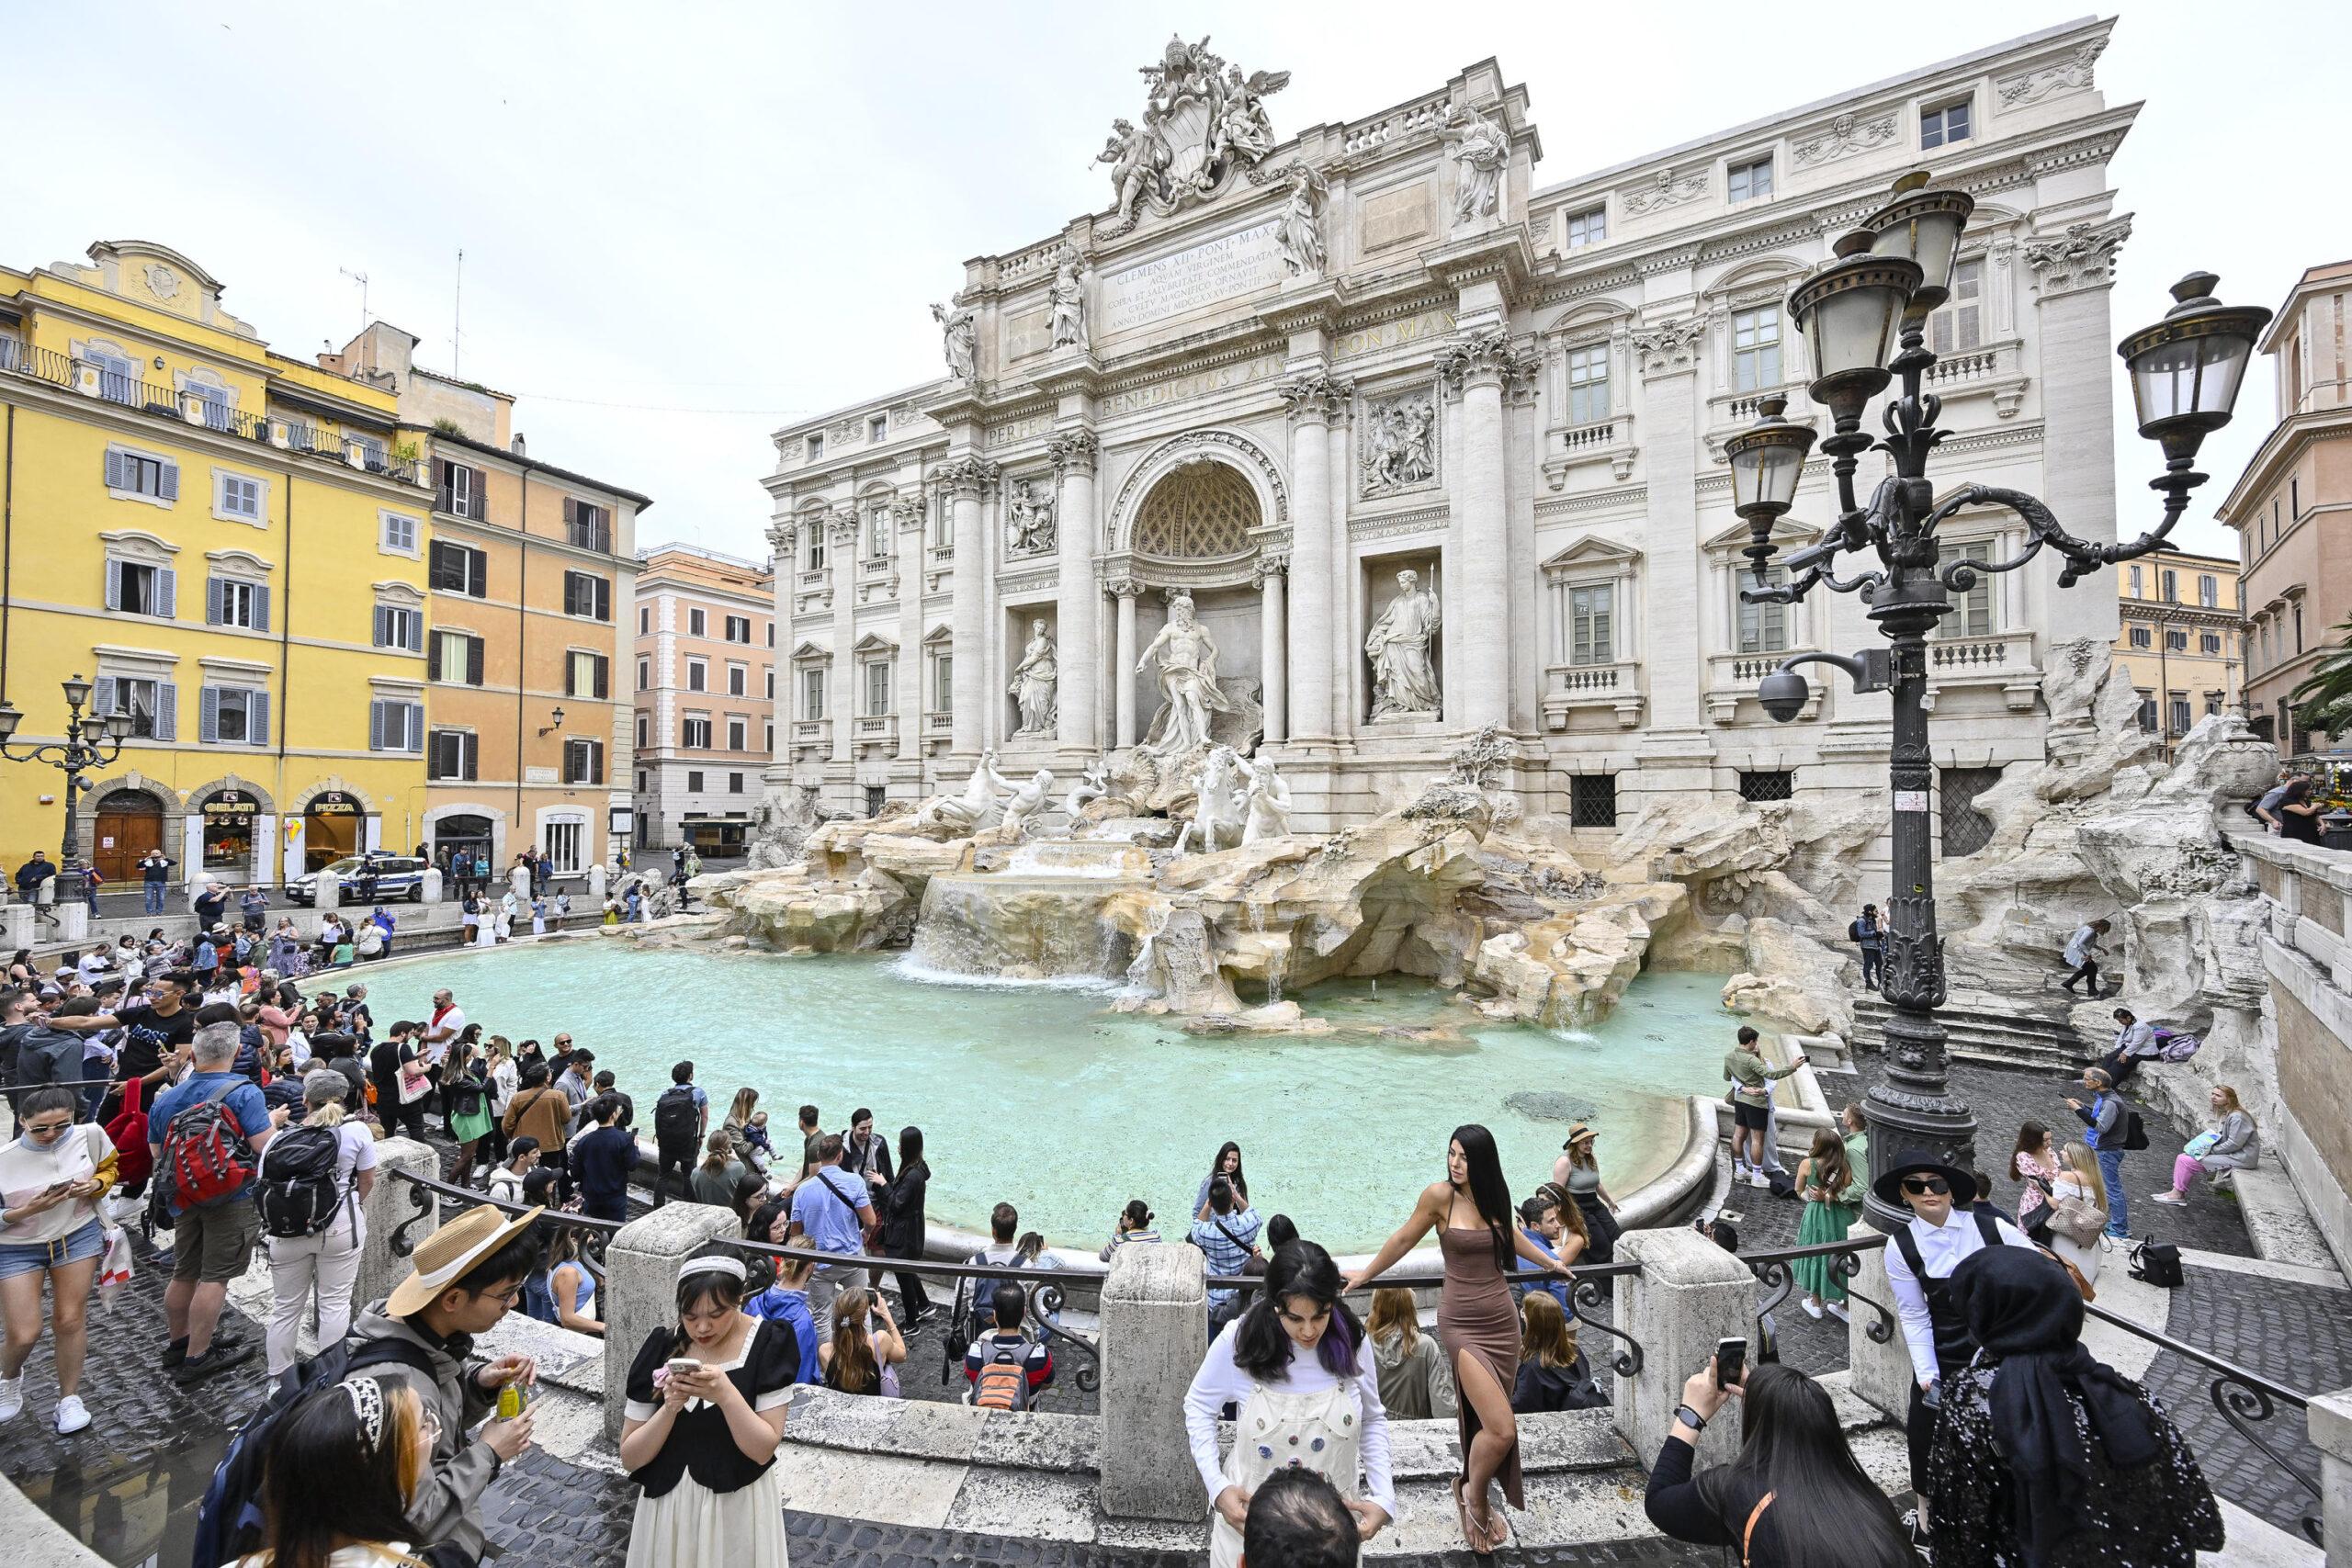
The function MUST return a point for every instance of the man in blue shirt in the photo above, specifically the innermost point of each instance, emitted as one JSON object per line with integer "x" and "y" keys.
{"x": 1540, "y": 1222}
{"x": 831, "y": 1214}
{"x": 602, "y": 1159}
{"x": 2104, "y": 1129}
{"x": 1227, "y": 1237}
{"x": 211, "y": 1243}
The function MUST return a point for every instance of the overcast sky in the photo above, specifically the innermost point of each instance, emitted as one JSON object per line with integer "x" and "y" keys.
{"x": 686, "y": 225}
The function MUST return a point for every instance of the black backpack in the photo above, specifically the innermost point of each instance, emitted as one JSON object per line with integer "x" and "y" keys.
{"x": 295, "y": 1186}
{"x": 2158, "y": 1263}
{"x": 674, "y": 1121}
{"x": 228, "y": 1520}
{"x": 2136, "y": 1131}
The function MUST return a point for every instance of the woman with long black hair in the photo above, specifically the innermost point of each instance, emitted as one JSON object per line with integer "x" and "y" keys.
{"x": 1298, "y": 1367}
{"x": 2046, "y": 1457}
{"x": 903, "y": 1226}
{"x": 1478, "y": 1322}
{"x": 338, "y": 1475}
{"x": 1227, "y": 1164}
{"x": 705, "y": 1411}
{"x": 1792, "y": 1497}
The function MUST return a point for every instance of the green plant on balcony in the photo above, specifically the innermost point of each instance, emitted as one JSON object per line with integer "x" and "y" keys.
{"x": 2324, "y": 700}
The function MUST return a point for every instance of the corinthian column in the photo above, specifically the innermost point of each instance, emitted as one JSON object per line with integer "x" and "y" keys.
{"x": 968, "y": 479}
{"x": 1479, "y": 692}
{"x": 1077, "y": 721}
{"x": 907, "y": 680}
{"x": 841, "y": 538}
{"x": 1313, "y": 397}
{"x": 1273, "y": 661}
{"x": 1124, "y": 590}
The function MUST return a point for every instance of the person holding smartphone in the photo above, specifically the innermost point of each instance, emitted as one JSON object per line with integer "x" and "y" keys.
{"x": 1793, "y": 1495}
{"x": 51, "y": 1178}
{"x": 706, "y": 1411}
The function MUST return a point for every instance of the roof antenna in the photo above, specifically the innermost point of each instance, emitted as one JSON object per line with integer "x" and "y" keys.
{"x": 361, "y": 279}
{"x": 458, "y": 313}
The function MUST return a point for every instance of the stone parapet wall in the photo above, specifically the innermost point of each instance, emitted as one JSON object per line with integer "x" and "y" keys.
{"x": 2308, "y": 1021}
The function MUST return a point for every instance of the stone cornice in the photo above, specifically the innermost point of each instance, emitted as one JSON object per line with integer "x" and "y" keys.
{"x": 1629, "y": 497}
{"x": 1505, "y": 256}
{"x": 2286, "y": 442}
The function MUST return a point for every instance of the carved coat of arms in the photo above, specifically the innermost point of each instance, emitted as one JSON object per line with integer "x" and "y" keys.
{"x": 1202, "y": 119}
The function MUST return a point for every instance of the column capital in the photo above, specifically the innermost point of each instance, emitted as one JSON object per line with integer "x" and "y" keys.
{"x": 842, "y": 527}
{"x": 1317, "y": 396}
{"x": 1484, "y": 357}
{"x": 969, "y": 475}
{"x": 1074, "y": 452}
{"x": 783, "y": 537}
{"x": 1669, "y": 347}
{"x": 1123, "y": 587}
{"x": 2081, "y": 258}
{"x": 1270, "y": 564}
{"x": 907, "y": 510}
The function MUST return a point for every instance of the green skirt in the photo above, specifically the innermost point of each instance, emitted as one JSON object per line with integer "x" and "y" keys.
{"x": 1821, "y": 1222}
{"x": 466, "y": 1129}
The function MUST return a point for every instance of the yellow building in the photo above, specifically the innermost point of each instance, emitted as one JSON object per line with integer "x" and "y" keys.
{"x": 2182, "y": 638}
{"x": 231, "y": 543}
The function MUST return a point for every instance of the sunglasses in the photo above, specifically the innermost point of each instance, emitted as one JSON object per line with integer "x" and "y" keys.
{"x": 1921, "y": 1186}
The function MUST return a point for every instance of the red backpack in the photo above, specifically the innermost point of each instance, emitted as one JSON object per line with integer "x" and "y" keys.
{"x": 128, "y": 1131}
{"x": 205, "y": 1151}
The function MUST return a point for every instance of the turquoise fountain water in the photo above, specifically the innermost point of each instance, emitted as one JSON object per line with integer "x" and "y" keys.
{"x": 1040, "y": 1096}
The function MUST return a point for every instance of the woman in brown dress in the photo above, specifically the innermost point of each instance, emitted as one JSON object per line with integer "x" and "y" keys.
{"x": 1478, "y": 1322}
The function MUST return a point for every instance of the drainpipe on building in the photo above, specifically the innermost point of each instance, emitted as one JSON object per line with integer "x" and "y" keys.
{"x": 521, "y": 657}
{"x": 7, "y": 542}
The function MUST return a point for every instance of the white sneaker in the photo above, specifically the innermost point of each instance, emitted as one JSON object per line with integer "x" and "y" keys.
{"x": 1837, "y": 1311}
{"x": 71, "y": 1414}
{"x": 12, "y": 1397}
{"x": 1757, "y": 1179}
{"x": 2168, "y": 1196}
{"x": 1812, "y": 1307}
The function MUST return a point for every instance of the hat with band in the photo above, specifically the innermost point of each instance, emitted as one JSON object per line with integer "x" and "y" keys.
{"x": 443, "y": 1258}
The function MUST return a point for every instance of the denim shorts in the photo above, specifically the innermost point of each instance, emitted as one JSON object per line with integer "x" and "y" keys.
{"x": 17, "y": 1257}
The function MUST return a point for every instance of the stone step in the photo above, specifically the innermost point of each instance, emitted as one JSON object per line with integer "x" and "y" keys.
{"x": 2020, "y": 1039}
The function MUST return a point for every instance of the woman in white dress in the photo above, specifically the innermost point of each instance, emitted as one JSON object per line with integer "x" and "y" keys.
{"x": 2080, "y": 1181}
{"x": 706, "y": 1411}
{"x": 1297, "y": 1365}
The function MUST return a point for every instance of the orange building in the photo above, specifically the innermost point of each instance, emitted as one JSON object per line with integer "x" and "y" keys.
{"x": 705, "y": 691}
{"x": 530, "y": 570}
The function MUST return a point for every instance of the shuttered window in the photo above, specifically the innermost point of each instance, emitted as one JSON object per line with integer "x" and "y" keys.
{"x": 585, "y": 674}
{"x": 400, "y": 627}
{"x": 133, "y": 473}
{"x": 458, "y": 489}
{"x": 452, "y": 754}
{"x": 395, "y": 724}
{"x": 457, "y": 569}
{"x": 587, "y": 595}
{"x": 233, "y": 716}
{"x": 588, "y": 527}
{"x": 457, "y": 659}
{"x": 584, "y": 761}
{"x": 154, "y": 706}
{"x": 231, "y": 601}
{"x": 139, "y": 588}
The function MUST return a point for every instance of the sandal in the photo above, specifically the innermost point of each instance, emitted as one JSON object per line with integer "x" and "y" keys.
{"x": 1470, "y": 1537}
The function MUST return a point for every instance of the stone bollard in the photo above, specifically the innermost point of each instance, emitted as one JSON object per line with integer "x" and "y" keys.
{"x": 596, "y": 884}
{"x": 1882, "y": 1373}
{"x": 386, "y": 1208}
{"x": 432, "y": 880}
{"x": 1155, "y": 1330}
{"x": 73, "y": 921}
{"x": 16, "y": 926}
{"x": 1690, "y": 1294}
{"x": 641, "y": 1285}
{"x": 2330, "y": 1423}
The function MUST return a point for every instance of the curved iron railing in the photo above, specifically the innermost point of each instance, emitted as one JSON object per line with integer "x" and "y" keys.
{"x": 2244, "y": 1398}
{"x": 1772, "y": 1270}
{"x": 427, "y": 1194}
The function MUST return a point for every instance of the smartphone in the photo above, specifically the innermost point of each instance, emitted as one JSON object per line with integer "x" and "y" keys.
{"x": 684, "y": 1366}
{"x": 1731, "y": 1362}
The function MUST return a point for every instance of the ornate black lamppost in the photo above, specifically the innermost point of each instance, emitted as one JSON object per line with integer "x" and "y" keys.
{"x": 92, "y": 742}
{"x": 1885, "y": 280}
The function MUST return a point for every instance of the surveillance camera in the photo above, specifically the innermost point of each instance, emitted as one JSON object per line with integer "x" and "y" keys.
{"x": 1783, "y": 694}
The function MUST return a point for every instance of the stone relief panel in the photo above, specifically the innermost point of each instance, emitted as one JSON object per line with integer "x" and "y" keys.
{"x": 1399, "y": 447}
{"x": 1029, "y": 519}
{"x": 1843, "y": 138}
{"x": 1668, "y": 189}
{"x": 2073, "y": 75}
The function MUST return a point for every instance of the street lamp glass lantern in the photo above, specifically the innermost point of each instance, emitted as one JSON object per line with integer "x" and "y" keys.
{"x": 9, "y": 719}
{"x": 77, "y": 692}
{"x": 1767, "y": 459}
{"x": 1848, "y": 311}
{"x": 2187, "y": 369}
{"x": 118, "y": 726}
{"x": 1922, "y": 226}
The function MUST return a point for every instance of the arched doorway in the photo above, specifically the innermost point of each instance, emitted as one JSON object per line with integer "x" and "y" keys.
{"x": 467, "y": 833}
{"x": 334, "y": 824}
{"x": 129, "y": 823}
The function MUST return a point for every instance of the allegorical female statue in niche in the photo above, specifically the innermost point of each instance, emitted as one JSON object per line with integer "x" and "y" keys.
{"x": 1402, "y": 681}
{"x": 1035, "y": 680}
{"x": 1187, "y": 656}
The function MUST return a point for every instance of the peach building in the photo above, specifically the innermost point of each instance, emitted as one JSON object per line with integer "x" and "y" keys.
{"x": 705, "y": 692}
{"x": 2292, "y": 507}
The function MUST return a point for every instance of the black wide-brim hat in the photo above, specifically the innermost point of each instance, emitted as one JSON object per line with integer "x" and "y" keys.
{"x": 1888, "y": 1188}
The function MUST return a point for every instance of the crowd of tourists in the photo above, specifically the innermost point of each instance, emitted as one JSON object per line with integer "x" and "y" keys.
{"x": 234, "y": 1112}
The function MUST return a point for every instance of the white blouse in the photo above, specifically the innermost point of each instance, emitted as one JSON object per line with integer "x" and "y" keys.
{"x": 1219, "y": 1382}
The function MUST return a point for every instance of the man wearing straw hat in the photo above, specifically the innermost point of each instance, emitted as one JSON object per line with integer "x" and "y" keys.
{"x": 468, "y": 1275}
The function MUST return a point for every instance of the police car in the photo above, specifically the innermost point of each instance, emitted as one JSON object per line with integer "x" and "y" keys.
{"x": 394, "y": 876}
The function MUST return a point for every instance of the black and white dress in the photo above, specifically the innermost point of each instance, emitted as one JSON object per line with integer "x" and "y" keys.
{"x": 705, "y": 1505}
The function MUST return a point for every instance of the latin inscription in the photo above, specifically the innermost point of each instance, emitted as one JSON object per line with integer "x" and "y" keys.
{"x": 1018, "y": 429}
{"x": 1183, "y": 389}
{"x": 1389, "y": 334}
{"x": 1191, "y": 279}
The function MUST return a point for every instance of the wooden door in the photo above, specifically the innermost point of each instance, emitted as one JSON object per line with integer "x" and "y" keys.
{"x": 129, "y": 825}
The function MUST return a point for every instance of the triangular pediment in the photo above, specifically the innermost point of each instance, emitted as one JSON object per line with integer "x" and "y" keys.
{"x": 1788, "y": 533}
{"x": 1593, "y": 551}
{"x": 875, "y": 642}
{"x": 940, "y": 636}
{"x": 811, "y": 650}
